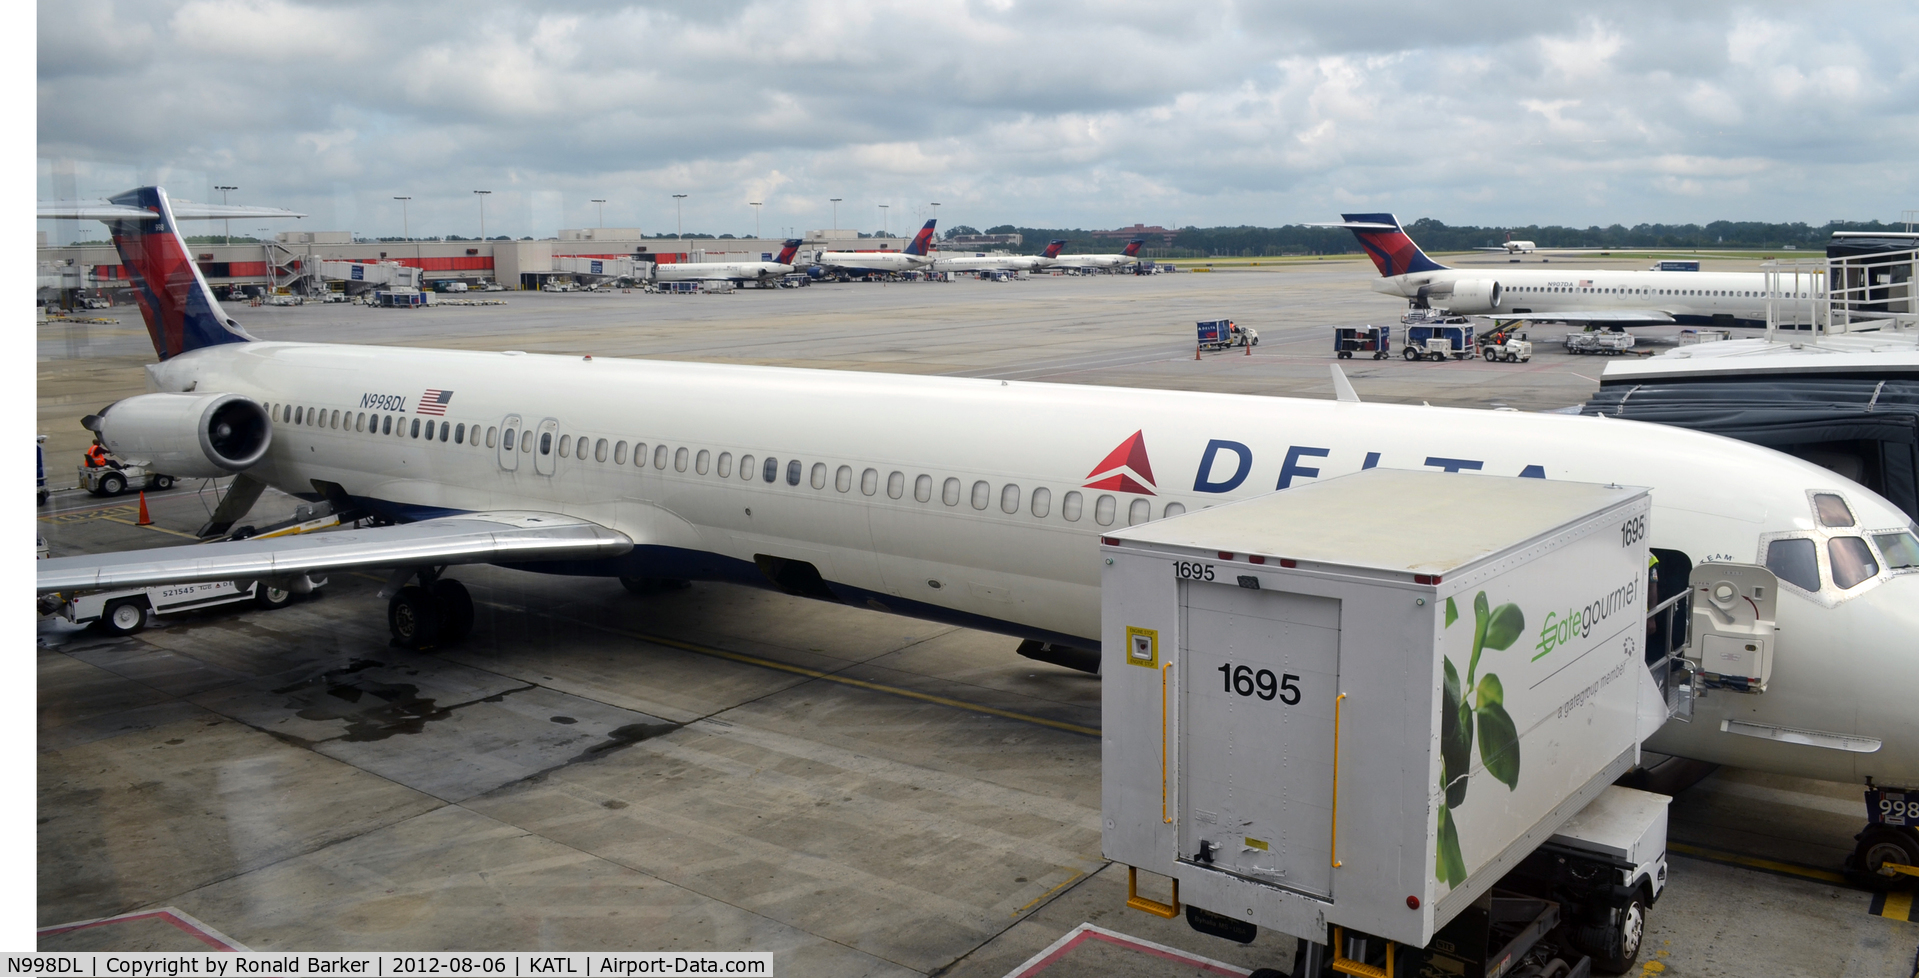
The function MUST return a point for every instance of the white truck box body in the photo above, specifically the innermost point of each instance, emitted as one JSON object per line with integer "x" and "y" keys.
{"x": 1343, "y": 587}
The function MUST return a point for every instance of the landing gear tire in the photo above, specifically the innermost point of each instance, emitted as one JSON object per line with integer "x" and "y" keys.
{"x": 456, "y": 610}
{"x": 126, "y": 616}
{"x": 413, "y": 616}
{"x": 272, "y": 598}
{"x": 113, "y": 484}
{"x": 1614, "y": 944}
{"x": 1879, "y": 845}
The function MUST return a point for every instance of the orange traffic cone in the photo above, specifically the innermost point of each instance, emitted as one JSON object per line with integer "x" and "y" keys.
{"x": 1196, "y": 352}
{"x": 144, "y": 520}
{"x": 1249, "y": 348}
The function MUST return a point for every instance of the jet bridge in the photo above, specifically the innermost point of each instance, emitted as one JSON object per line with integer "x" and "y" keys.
{"x": 369, "y": 275}
{"x": 1320, "y": 723}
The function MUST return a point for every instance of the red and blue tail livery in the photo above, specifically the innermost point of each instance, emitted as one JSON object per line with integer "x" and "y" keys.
{"x": 787, "y": 251}
{"x": 1387, "y": 245}
{"x": 1132, "y": 247}
{"x": 1053, "y": 248}
{"x": 179, "y": 308}
{"x": 922, "y": 241}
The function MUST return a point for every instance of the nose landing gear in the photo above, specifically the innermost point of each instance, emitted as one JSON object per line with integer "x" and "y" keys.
{"x": 1887, "y": 857}
{"x": 434, "y": 612}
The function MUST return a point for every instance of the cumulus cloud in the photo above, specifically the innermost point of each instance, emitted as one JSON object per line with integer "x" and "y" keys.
{"x": 1049, "y": 113}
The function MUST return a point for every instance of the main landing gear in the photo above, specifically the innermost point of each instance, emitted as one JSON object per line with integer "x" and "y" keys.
{"x": 433, "y": 612}
{"x": 1887, "y": 857}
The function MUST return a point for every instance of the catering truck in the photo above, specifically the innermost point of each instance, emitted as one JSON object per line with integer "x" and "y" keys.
{"x": 1398, "y": 747}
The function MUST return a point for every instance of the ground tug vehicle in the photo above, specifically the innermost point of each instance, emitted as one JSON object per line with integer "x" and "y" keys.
{"x": 1398, "y": 748}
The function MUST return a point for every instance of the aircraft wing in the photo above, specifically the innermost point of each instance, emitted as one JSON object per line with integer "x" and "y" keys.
{"x": 1621, "y": 317}
{"x": 469, "y": 538}
{"x": 101, "y": 210}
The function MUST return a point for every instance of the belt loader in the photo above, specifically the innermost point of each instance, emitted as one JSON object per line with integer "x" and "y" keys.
{"x": 1397, "y": 747}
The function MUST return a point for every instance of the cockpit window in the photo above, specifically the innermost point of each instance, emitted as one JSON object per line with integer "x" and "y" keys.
{"x": 1852, "y": 561}
{"x": 1832, "y": 509}
{"x": 1901, "y": 549}
{"x": 1795, "y": 561}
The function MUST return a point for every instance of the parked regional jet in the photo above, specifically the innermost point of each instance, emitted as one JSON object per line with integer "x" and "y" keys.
{"x": 976, "y": 502}
{"x": 1601, "y": 296}
{"x": 1130, "y": 256}
{"x": 983, "y": 262}
{"x": 917, "y": 255}
{"x": 1512, "y": 247}
{"x": 732, "y": 271}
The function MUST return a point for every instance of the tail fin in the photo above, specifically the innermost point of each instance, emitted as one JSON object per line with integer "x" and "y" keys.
{"x": 179, "y": 308}
{"x": 1132, "y": 247}
{"x": 1053, "y": 247}
{"x": 1387, "y": 245}
{"x": 787, "y": 251}
{"x": 923, "y": 240}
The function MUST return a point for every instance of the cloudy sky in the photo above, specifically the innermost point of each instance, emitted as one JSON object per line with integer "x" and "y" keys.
{"x": 1050, "y": 113}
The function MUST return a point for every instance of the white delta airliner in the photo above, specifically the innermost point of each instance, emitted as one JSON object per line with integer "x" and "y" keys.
{"x": 1595, "y": 296}
{"x": 731, "y": 271}
{"x": 975, "y": 502}
{"x": 1053, "y": 259}
{"x": 916, "y": 256}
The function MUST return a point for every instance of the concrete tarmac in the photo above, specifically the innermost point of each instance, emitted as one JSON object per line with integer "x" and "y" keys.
{"x": 719, "y": 768}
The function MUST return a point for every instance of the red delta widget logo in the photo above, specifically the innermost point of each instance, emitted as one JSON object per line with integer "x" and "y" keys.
{"x": 1124, "y": 469}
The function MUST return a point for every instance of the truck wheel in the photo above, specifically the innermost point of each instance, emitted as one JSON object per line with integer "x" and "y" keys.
{"x": 1614, "y": 944}
{"x": 162, "y": 482}
{"x": 126, "y": 616}
{"x": 272, "y": 597}
{"x": 413, "y": 617}
{"x": 1411, "y": 354}
{"x": 1879, "y": 845}
{"x": 113, "y": 484}
{"x": 1490, "y": 354}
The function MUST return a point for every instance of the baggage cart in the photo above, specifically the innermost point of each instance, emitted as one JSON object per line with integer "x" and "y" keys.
{"x": 1599, "y": 342}
{"x": 1389, "y": 744}
{"x": 1437, "y": 341}
{"x": 1376, "y": 340}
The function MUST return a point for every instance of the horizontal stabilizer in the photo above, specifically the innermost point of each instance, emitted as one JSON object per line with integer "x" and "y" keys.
{"x": 1355, "y": 226}
{"x": 470, "y": 538}
{"x": 1649, "y": 317}
{"x": 103, "y": 210}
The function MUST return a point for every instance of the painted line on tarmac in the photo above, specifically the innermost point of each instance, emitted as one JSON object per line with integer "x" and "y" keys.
{"x": 1773, "y": 866}
{"x": 1893, "y": 906}
{"x": 1054, "y": 952}
{"x": 754, "y": 660}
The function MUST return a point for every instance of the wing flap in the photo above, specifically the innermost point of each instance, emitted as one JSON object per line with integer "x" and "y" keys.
{"x": 470, "y": 538}
{"x": 1650, "y": 317}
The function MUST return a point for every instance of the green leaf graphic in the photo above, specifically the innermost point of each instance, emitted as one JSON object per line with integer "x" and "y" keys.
{"x": 1479, "y": 635}
{"x": 1448, "y": 864}
{"x": 1499, "y": 743}
{"x": 1452, "y": 612}
{"x": 1504, "y": 627}
{"x": 1490, "y": 691}
{"x": 1455, "y": 738}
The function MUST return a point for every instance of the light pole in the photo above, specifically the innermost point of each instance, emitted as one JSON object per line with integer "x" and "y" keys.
{"x": 836, "y": 211}
{"x": 883, "y": 208}
{"x": 227, "y": 224}
{"x": 482, "y": 194}
{"x": 406, "y": 232}
{"x": 756, "y": 216}
{"x": 602, "y": 202}
{"x": 678, "y": 231}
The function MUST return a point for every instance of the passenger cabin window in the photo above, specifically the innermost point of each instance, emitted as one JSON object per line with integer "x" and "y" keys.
{"x": 793, "y": 472}
{"x": 1042, "y": 502}
{"x": 725, "y": 469}
{"x": 1832, "y": 509}
{"x": 1069, "y": 507}
{"x": 1795, "y": 562}
{"x": 1901, "y": 549}
{"x": 443, "y": 429}
{"x": 1139, "y": 512}
{"x": 386, "y": 425}
{"x": 818, "y": 477}
{"x": 1104, "y": 509}
{"x": 702, "y": 461}
{"x": 459, "y": 434}
{"x": 1009, "y": 499}
{"x": 659, "y": 457}
{"x": 299, "y": 415}
{"x": 982, "y": 494}
{"x": 286, "y": 414}
{"x": 1175, "y": 509}
{"x": 566, "y": 445}
{"x": 770, "y": 470}
{"x": 843, "y": 479}
{"x": 869, "y": 482}
{"x": 922, "y": 488}
{"x": 507, "y": 439}
{"x": 491, "y": 432}
{"x": 679, "y": 460}
{"x": 416, "y": 428}
{"x": 619, "y": 452}
{"x": 1852, "y": 561}
{"x": 334, "y": 421}
{"x": 950, "y": 492}
{"x": 359, "y": 421}
{"x": 639, "y": 454}
{"x": 896, "y": 485}
{"x": 546, "y": 443}
{"x": 746, "y": 468}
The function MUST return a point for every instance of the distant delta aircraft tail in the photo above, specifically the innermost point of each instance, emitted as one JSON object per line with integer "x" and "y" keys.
{"x": 787, "y": 252}
{"x": 1132, "y": 247}
{"x": 923, "y": 240}
{"x": 174, "y": 298}
{"x": 1053, "y": 247}
{"x": 1386, "y": 244}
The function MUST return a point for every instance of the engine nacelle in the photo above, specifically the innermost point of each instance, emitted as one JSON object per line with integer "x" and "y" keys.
{"x": 1473, "y": 296}
{"x": 194, "y": 436}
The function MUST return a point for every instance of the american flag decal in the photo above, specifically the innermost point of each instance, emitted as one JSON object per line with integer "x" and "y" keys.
{"x": 1585, "y": 283}
{"x": 434, "y": 401}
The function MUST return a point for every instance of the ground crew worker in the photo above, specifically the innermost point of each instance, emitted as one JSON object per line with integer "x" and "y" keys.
{"x": 97, "y": 457}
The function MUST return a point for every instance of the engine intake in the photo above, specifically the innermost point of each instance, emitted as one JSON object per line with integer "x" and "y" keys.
{"x": 1474, "y": 296}
{"x": 194, "y": 436}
